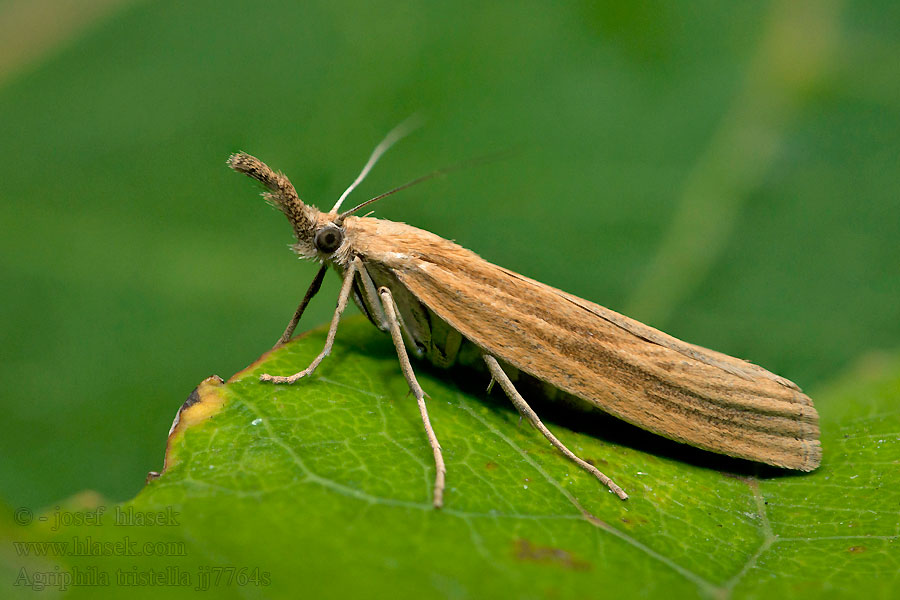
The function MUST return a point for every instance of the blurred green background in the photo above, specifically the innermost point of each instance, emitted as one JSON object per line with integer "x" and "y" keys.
{"x": 727, "y": 172}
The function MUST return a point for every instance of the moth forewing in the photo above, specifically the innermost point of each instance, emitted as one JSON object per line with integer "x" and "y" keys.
{"x": 436, "y": 298}
{"x": 679, "y": 390}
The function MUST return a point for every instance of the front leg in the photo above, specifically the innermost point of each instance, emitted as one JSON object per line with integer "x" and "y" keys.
{"x": 390, "y": 312}
{"x": 312, "y": 291}
{"x": 329, "y": 341}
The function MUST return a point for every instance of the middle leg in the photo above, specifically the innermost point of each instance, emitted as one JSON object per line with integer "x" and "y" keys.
{"x": 390, "y": 311}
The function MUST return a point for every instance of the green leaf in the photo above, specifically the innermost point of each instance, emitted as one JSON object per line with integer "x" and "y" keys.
{"x": 133, "y": 263}
{"x": 324, "y": 488}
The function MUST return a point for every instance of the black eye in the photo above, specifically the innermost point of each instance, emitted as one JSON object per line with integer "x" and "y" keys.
{"x": 328, "y": 239}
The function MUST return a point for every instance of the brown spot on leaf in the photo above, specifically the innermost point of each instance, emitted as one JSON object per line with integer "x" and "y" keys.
{"x": 490, "y": 465}
{"x": 201, "y": 404}
{"x": 632, "y": 522}
{"x": 856, "y": 549}
{"x": 527, "y": 550}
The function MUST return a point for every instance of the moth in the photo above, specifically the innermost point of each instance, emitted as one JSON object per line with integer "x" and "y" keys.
{"x": 441, "y": 302}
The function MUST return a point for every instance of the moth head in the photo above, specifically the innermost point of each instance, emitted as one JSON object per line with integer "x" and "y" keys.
{"x": 328, "y": 238}
{"x": 306, "y": 220}
{"x": 326, "y": 241}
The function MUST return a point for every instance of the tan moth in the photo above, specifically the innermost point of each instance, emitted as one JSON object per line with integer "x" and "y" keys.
{"x": 440, "y": 301}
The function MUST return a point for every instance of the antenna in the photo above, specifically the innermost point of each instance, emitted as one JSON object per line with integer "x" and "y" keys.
{"x": 480, "y": 160}
{"x": 397, "y": 133}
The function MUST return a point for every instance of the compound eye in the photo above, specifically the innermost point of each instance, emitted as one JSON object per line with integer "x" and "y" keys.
{"x": 329, "y": 238}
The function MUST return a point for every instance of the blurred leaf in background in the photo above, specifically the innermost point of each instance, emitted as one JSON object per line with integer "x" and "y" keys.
{"x": 726, "y": 172}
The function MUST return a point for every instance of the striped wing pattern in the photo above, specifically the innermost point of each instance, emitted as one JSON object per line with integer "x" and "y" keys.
{"x": 635, "y": 372}
{"x": 681, "y": 391}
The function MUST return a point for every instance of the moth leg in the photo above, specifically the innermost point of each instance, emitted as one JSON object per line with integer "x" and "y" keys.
{"x": 371, "y": 295}
{"x": 373, "y": 300}
{"x": 329, "y": 341}
{"x": 500, "y": 377}
{"x": 312, "y": 291}
{"x": 390, "y": 311}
